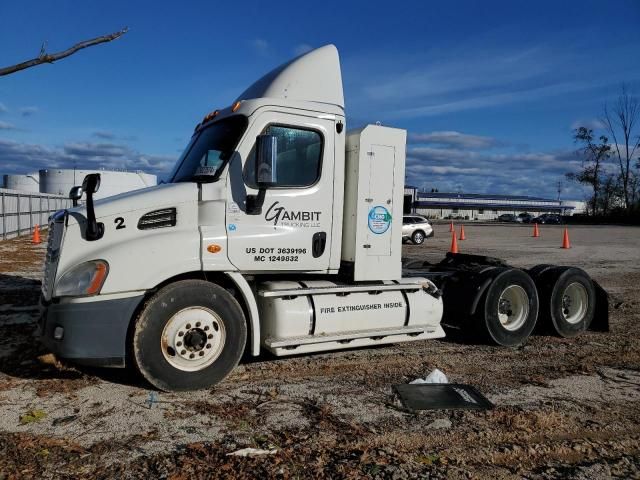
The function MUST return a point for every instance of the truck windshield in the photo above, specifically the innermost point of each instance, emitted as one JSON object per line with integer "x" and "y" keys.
{"x": 209, "y": 150}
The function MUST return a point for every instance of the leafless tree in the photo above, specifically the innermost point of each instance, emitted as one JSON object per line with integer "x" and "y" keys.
{"x": 45, "y": 57}
{"x": 621, "y": 121}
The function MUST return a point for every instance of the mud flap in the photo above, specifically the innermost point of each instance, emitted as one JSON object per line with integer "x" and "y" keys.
{"x": 437, "y": 396}
{"x": 600, "y": 322}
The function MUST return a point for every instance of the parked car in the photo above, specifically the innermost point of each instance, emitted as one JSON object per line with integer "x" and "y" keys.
{"x": 526, "y": 217}
{"x": 416, "y": 228}
{"x": 549, "y": 218}
{"x": 508, "y": 217}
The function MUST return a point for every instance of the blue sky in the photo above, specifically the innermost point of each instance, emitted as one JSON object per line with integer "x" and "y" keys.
{"x": 489, "y": 91}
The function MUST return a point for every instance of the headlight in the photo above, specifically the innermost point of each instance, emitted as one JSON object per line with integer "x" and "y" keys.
{"x": 84, "y": 279}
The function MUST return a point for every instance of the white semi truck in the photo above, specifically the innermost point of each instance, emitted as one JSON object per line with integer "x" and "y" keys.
{"x": 278, "y": 231}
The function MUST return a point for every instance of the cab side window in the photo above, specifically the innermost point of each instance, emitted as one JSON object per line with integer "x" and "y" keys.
{"x": 299, "y": 159}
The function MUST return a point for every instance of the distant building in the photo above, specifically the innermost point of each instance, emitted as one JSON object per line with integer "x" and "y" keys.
{"x": 24, "y": 183}
{"x": 59, "y": 181}
{"x": 479, "y": 206}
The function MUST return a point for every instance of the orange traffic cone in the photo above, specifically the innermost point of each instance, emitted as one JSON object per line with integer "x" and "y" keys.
{"x": 462, "y": 237}
{"x": 565, "y": 239}
{"x": 451, "y": 229}
{"x": 36, "y": 235}
{"x": 536, "y": 232}
{"x": 454, "y": 243}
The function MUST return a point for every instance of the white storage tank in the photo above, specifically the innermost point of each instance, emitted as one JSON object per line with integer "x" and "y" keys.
{"x": 24, "y": 183}
{"x": 112, "y": 182}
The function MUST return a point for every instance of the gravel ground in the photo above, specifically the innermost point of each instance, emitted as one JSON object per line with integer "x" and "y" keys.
{"x": 564, "y": 408}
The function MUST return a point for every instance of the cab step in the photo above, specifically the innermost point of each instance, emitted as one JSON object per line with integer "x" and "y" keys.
{"x": 325, "y": 342}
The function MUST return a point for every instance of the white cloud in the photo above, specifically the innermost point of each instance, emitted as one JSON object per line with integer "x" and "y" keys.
{"x": 474, "y": 74}
{"x": 453, "y": 139}
{"x": 591, "y": 123}
{"x": 260, "y": 45}
{"x": 3, "y": 108}
{"x": 472, "y": 171}
{"x": 428, "y": 75}
{"x": 482, "y": 100}
{"x": 302, "y": 49}
{"x": 28, "y": 111}
{"x": 7, "y": 126}
{"x": 22, "y": 157}
{"x": 443, "y": 170}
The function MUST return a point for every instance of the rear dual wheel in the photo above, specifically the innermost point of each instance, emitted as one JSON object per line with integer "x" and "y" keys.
{"x": 568, "y": 299}
{"x": 508, "y": 310}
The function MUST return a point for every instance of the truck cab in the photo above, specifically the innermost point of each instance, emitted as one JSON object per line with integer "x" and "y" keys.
{"x": 277, "y": 230}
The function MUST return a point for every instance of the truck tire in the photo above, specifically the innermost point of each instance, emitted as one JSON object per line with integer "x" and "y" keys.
{"x": 418, "y": 237}
{"x": 567, "y": 300}
{"x": 537, "y": 271}
{"x": 189, "y": 336}
{"x": 510, "y": 309}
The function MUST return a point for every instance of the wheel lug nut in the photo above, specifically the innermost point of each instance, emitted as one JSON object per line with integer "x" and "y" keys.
{"x": 210, "y": 336}
{"x": 180, "y": 334}
{"x": 183, "y": 352}
{"x": 201, "y": 353}
{"x": 191, "y": 356}
{"x": 206, "y": 328}
{"x": 208, "y": 345}
{"x": 188, "y": 326}
{"x": 198, "y": 324}
{"x": 179, "y": 344}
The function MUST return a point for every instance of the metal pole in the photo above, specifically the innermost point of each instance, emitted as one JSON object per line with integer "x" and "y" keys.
{"x": 30, "y": 215}
{"x": 4, "y": 219}
{"x": 18, "y": 210}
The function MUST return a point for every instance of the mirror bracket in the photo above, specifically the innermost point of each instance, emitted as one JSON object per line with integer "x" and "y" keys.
{"x": 254, "y": 203}
{"x": 90, "y": 185}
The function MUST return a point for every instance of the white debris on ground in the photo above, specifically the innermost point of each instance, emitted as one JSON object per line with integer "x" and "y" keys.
{"x": 436, "y": 376}
{"x": 251, "y": 452}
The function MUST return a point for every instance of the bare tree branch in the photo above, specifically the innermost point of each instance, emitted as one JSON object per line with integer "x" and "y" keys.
{"x": 623, "y": 119}
{"x": 44, "y": 57}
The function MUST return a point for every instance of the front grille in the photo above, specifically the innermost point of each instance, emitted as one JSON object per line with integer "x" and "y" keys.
{"x": 158, "y": 219}
{"x": 54, "y": 242}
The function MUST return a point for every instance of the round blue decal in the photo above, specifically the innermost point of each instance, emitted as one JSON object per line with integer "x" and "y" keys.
{"x": 379, "y": 219}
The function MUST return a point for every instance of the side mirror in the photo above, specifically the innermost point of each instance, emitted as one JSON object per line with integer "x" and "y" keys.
{"x": 91, "y": 183}
{"x": 95, "y": 229}
{"x": 266, "y": 154}
{"x": 75, "y": 194}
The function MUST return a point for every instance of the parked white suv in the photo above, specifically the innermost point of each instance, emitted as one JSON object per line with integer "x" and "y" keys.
{"x": 416, "y": 228}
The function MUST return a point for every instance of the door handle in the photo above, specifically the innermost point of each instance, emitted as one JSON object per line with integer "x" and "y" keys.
{"x": 318, "y": 243}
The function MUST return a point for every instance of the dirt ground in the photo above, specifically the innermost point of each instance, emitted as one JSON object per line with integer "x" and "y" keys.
{"x": 565, "y": 408}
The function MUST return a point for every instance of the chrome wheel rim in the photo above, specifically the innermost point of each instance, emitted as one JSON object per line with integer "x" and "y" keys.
{"x": 193, "y": 339}
{"x": 513, "y": 307}
{"x": 418, "y": 237}
{"x": 574, "y": 303}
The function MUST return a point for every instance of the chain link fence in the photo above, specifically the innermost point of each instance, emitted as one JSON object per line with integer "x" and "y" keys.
{"x": 20, "y": 211}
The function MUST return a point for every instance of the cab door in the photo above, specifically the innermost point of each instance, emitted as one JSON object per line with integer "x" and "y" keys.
{"x": 292, "y": 229}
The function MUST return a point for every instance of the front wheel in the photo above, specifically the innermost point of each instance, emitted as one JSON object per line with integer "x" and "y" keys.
{"x": 417, "y": 237}
{"x": 189, "y": 336}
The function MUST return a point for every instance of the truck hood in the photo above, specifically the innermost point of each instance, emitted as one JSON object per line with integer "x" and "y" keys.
{"x": 159, "y": 196}
{"x": 137, "y": 257}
